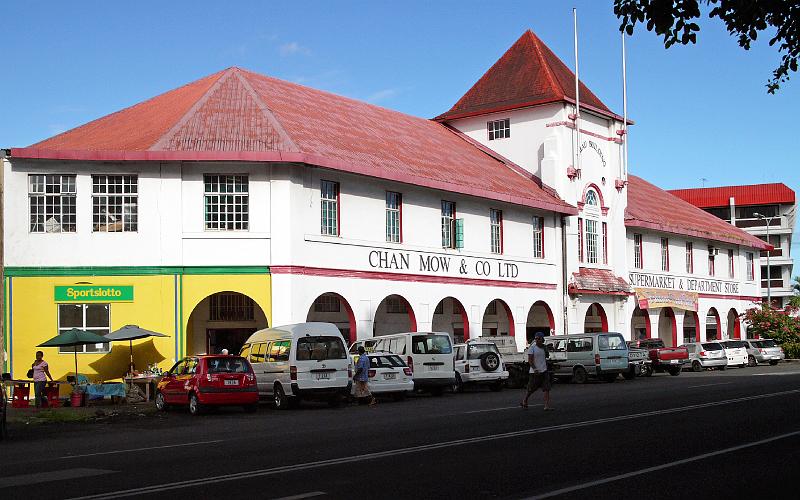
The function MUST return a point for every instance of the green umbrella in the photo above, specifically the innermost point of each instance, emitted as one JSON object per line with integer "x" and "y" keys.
{"x": 73, "y": 338}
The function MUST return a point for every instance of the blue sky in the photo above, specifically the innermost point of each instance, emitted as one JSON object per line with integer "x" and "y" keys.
{"x": 701, "y": 111}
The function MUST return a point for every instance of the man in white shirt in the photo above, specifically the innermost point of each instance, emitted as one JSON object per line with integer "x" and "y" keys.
{"x": 539, "y": 375}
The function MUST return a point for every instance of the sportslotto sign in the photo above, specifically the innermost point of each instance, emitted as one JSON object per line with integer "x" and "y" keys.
{"x": 92, "y": 293}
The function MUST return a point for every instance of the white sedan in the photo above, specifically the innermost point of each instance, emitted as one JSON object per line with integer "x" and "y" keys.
{"x": 388, "y": 375}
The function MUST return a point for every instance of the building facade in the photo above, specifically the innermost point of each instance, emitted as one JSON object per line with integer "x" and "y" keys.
{"x": 241, "y": 201}
{"x": 767, "y": 211}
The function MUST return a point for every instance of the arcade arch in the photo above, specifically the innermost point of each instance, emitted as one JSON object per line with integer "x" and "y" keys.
{"x": 540, "y": 319}
{"x": 451, "y": 317}
{"x": 333, "y": 308}
{"x": 497, "y": 319}
{"x": 394, "y": 315}
{"x": 595, "y": 320}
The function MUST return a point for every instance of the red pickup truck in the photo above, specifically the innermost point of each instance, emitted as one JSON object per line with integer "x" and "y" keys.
{"x": 669, "y": 359}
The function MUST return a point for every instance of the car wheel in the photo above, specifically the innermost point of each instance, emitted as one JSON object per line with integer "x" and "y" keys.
{"x": 773, "y": 363}
{"x": 647, "y": 371}
{"x": 579, "y": 375}
{"x": 751, "y": 361}
{"x": 251, "y": 408}
{"x": 674, "y": 371}
{"x": 458, "y": 385}
{"x": 161, "y": 403}
{"x": 280, "y": 399}
{"x": 490, "y": 361}
{"x": 399, "y": 396}
{"x": 195, "y": 408}
{"x": 437, "y": 391}
{"x": 496, "y": 386}
{"x": 696, "y": 366}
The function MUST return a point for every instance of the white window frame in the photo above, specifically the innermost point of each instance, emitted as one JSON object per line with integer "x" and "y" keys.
{"x": 52, "y": 203}
{"x": 731, "y": 263}
{"x": 592, "y": 253}
{"x": 448, "y": 224}
{"x": 228, "y": 202}
{"x": 689, "y": 257}
{"x": 665, "y": 254}
{"x": 102, "y": 331}
{"x": 538, "y": 237}
{"x": 750, "y": 267}
{"x": 115, "y": 203}
{"x": 498, "y": 129}
{"x": 638, "y": 260}
{"x": 394, "y": 217}
{"x": 329, "y": 195}
{"x": 496, "y": 230}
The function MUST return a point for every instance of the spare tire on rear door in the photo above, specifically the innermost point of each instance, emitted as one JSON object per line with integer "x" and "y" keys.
{"x": 490, "y": 361}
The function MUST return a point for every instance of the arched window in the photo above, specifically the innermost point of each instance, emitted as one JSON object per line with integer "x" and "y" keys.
{"x": 591, "y": 198}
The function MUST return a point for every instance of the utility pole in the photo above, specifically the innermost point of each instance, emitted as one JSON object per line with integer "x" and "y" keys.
{"x": 769, "y": 269}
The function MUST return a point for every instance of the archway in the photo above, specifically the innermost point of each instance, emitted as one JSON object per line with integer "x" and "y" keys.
{"x": 451, "y": 317}
{"x": 394, "y": 315}
{"x": 734, "y": 327}
{"x": 497, "y": 319}
{"x": 333, "y": 308}
{"x": 713, "y": 330}
{"x": 223, "y": 320}
{"x": 540, "y": 319}
{"x": 667, "y": 328}
{"x": 690, "y": 323}
{"x": 640, "y": 324}
{"x": 596, "y": 320}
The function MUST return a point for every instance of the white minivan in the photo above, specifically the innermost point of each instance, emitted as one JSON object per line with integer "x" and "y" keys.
{"x": 301, "y": 361}
{"x": 428, "y": 354}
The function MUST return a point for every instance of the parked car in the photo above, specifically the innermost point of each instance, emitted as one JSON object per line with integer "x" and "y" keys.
{"x": 389, "y": 375}
{"x": 478, "y": 362}
{"x": 639, "y": 364}
{"x": 368, "y": 344}
{"x": 736, "y": 352}
{"x": 602, "y": 355}
{"x": 763, "y": 351}
{"x": 514, "y": 360}
{"x": 204, "y": 381}
{"x": 428, "y": 354}
{"x": 304, "y": 361}
{"x": 663, "y": 358}
{"x": 704, "y": 355}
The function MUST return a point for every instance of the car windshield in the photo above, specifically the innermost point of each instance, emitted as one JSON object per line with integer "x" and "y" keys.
{"x": 767, "y": 343}
{"x": 711, "y": 346}
{"x": 651, "y": 344}
{"x": 431, "y": 344}
{"x": 387, "y": 361}
{"x": 320, "y": 348}
{"x": 475, "y": 351}
{"x": 611, "y": 343}
{"x": 227, "y": 364}
{"x": 733, "y": 344}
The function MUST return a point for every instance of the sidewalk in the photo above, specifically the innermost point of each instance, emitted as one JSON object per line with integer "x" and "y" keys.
{"x": 98, "y": 411}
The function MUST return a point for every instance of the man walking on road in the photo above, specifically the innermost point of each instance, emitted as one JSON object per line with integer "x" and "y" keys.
{"x": 539, "y": 376}
{"x": 361, "y": 378}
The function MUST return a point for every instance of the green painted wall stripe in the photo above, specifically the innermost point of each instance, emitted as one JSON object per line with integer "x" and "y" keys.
{"x": 6, "y": 317}
{"x": 133, "y": 271}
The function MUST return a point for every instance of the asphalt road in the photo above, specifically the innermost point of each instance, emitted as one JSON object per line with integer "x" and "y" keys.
{"x": 722, "y": 434}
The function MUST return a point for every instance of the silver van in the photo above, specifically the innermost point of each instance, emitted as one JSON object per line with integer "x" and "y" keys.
{"x": 301, "y": 361}
{"x": 603, "y": 355}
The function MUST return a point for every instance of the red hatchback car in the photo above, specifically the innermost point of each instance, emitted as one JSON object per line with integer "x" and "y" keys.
{"x": 203, "y": 381}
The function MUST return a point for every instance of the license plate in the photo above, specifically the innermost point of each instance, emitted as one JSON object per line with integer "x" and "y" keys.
{"x": 231, "y": 382}
{"x": 389, "y": 376}
{"x": 323, "y": 376}
{"x": 433, "y": 368}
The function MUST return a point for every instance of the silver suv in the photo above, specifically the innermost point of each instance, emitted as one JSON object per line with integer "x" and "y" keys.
{"x": 763, "y": 351}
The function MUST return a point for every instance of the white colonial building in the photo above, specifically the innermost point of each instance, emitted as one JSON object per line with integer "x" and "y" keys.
{"x": 240, "y": 201}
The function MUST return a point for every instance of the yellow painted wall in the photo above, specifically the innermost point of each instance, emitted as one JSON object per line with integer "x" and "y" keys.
{"x": 34, "y": 319}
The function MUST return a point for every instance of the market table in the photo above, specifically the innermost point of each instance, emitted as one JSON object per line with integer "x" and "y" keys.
{"x": 144, "y": 380}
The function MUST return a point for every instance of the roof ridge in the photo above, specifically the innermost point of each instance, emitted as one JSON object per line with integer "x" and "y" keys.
{"x": 547, "y": 69}
{"x": 165, "y": 139}
{"x": 268, "y": 114}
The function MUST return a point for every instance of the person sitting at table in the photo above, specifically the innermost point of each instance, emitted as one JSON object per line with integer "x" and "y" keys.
{"x": 41, "y": 372}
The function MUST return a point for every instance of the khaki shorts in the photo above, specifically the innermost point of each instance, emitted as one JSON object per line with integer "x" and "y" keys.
{"x": 539, "y": 380}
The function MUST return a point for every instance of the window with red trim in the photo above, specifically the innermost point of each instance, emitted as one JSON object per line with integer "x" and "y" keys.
{"x": 731, "y": 268}
{"x": 538, "y": 237}
{"x": 710, "y": 264}
{"x": 638, "y": 261}
{"x": 605, "y": 243}
{"x": 665, "y": 254}
{"x": 496, "y": 233}
{"x": 689, "y": 257}
{"x": 751, "y": 272}
{"x": 329, "y": 205}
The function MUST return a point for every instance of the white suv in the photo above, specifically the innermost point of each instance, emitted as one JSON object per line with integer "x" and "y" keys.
{"x": 478, "y": 362}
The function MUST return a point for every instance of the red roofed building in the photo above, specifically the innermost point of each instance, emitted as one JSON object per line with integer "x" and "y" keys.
{"x": 767, "y": 211}
{"x": 241, "y": 201}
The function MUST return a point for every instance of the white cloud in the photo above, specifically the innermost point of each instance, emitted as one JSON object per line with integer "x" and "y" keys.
{"x": 381, "y": 95}
{"x": 292, "y": 48}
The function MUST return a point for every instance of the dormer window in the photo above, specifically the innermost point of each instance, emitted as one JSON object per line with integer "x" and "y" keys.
{"x": 499, "y": 129}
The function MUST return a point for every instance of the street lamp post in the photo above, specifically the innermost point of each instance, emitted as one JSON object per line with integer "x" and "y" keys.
{"x": 769, "y": 269}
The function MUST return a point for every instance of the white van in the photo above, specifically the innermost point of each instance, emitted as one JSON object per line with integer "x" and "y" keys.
{"x": 301, "y": 361}
{"x": 428, "y": 354}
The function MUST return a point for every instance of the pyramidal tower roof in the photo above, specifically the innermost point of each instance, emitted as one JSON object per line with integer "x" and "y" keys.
{"x": 528, "y": 74}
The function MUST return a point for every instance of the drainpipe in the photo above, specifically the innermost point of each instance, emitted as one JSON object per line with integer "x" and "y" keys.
{"x": 564, "y": 297}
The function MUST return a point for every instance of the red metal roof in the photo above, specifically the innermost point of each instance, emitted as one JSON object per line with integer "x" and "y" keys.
{"x": 528, "y": 74}
{"x": 653, "y": 208}
{"x": 753, "y": 194}
{"x": 599, "y": 281}
{"x": 237, "y": 115}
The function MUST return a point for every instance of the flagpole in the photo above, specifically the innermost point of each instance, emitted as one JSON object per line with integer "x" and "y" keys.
{"x": 624, "y": 113}
{"x": 577, "y": 93}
